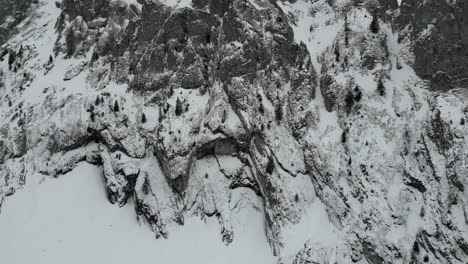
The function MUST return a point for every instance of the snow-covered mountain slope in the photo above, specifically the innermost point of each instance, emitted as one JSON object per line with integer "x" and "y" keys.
{"x": 273, "y": 131}
{"x": 68, "y": 220}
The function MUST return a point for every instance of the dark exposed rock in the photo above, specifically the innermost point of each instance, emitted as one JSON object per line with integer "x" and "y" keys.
{"x": 88, "y": 9}
{"x": 439, "y": 30}
{"x": 215, "y": 7}
{"x": 415, "y": 183}
{"x": 440, "y": 132}
{"x": 371, "y": 255}
{"x": 15, "y": 12}
{"x": 329, "y": 98}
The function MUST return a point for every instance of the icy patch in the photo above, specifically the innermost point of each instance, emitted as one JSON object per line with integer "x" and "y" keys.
{"x": 69, "y": 220}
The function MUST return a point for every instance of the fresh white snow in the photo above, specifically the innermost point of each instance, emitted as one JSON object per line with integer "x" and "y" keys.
{"x": 177, "y": 3}
{"x": 69, "y": 220}
{"x": 314, "y": 227}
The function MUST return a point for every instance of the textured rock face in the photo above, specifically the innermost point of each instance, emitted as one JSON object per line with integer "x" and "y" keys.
{"x": 11, "y": 14}
{"x": 298, "y": 103}
{"x": 89, "y": 9}
{"x": 216, "y": 81}
{"x": 234, "y": 59}
{"x": 439, "y": 34}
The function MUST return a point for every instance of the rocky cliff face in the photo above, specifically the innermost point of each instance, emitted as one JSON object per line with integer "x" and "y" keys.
{"x": 298, "y": 103}
{"x": 438, "y": 32}
{"x": 11, "y": 14}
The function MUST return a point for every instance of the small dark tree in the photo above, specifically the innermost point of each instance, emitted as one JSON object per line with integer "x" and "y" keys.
{"x": 3, "y": 54}
{"x": 224, "y": 116}
{"x": 259, "y": 97}
{"x": 94, "y": 57}
{"x": 346, "y": 31}
{"x": 381, "y": 88}
{"x": 178, "y": 108}
{"x": 462, "y": 121}
{"x": 20, "y": 52}
{"x": 349, "y": 102}
{"x": 97, "y": 100}
{"x": 416, "y": 248}
{"x": 71, "y": 42}
{"x": 398, "y": 65}
{"x": 116, "y": 106}
{"x": 91, "y": 112}
{"x": 337, "y": 52}
{"x": 374, "y": 26}
{"x": 160, "y": 115}
{"x": 51, "y": 59}
{"x": 11, "y": 58}
{"x": 270, "y": 166}
{"x": 279, "y": 111}
{"x": 145, "y": 188}
{"x": 143, "y": 118}
{"x": 344, "y": 136}
{"x": 171, "y": 91}
{"x": 357, "y": 94}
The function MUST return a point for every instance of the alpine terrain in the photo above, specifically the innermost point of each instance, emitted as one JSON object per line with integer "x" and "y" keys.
{"x": 233, "y": 131}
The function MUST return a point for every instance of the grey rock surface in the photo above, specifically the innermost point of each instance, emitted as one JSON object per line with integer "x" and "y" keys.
{"x": 439, "y": 35}
{"x": 11, "y": 14}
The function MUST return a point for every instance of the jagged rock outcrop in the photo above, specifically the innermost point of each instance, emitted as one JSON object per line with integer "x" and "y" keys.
{"x": 11, "y": 14}
{"x": 438, "y": 31}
